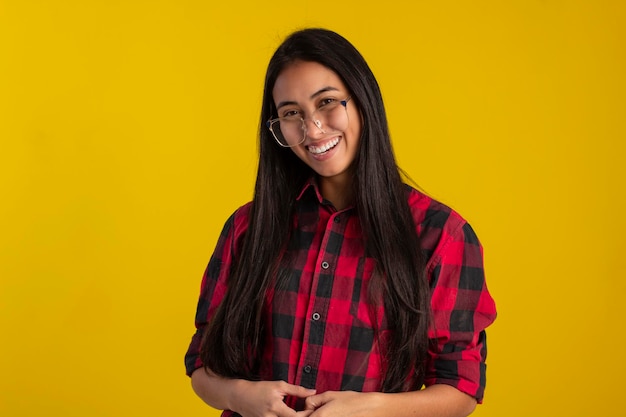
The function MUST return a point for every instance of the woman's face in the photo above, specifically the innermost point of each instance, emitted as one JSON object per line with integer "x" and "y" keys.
{"x": 331, "y": 137}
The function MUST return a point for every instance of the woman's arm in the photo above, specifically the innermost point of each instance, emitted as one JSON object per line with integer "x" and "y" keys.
{"x": 248, "y": 398}
{"x": 434, "y": 401}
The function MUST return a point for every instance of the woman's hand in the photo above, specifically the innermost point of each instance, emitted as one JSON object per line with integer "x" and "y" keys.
{"x": 248, "y": 398}
{"x": 266, "y": 399}
{"x": 434, "y": 401}
{"x": 345, "y": 404}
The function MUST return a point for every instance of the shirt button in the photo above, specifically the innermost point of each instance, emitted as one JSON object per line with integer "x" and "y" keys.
{"x": 307, "y": 369}
{"x": 325, "y": 265}
{"x": 316, "y": 316}
{"x": 337, "y": 219}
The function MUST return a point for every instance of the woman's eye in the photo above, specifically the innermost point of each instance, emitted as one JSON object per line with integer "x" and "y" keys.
{"x": 291, "y": 114}
{"x": 326, "y": 101}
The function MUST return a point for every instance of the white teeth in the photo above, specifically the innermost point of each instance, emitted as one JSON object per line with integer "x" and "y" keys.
{"x": 321, "y": 149}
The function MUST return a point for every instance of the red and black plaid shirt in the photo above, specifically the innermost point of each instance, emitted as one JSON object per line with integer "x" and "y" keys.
{"x": 320, "y": 330}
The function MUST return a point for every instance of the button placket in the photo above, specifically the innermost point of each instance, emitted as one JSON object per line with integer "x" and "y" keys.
{"x": 321, "y": 291}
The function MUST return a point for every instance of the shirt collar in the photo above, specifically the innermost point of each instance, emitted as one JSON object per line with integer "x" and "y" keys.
{"x": 311, "y": 183}
{"x": 311, "y": 186}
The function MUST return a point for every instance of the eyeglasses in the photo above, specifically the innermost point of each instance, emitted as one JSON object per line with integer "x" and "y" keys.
{"x": 331, "y": 116}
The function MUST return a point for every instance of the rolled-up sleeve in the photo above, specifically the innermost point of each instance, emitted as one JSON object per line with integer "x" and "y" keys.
{"x": 462, "y": 308}
{"x": 213, "y": 288}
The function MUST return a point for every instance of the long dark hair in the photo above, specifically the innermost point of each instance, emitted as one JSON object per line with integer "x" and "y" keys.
{"x": 234, "y": 337}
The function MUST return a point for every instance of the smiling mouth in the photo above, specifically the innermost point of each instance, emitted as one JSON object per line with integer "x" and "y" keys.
{"x": 318, "y": 150}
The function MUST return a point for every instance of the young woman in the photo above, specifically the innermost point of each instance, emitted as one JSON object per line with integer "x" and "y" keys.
{"x": 339, "y": 290}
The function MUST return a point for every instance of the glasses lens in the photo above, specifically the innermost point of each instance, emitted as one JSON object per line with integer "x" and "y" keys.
{"x": 288, "y": 132}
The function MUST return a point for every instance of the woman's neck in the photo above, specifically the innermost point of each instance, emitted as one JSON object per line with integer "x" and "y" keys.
{"x": 338, "y": 190}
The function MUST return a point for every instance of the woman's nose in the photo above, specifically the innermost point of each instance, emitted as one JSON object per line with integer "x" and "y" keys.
{"x": 315, "y": 129}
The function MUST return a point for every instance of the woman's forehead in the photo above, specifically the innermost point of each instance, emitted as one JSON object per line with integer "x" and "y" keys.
{"x": 303, "y": 80}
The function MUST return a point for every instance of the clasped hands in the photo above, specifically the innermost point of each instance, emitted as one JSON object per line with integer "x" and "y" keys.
{"x": 266, "y": 399}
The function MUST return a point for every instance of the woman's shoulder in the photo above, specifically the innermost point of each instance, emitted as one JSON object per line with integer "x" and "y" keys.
{"x": 429, "y": 211}
{"x": 243, "y": 211}
{"x": 437, "y": 222}
{"x": 237, "y": 222}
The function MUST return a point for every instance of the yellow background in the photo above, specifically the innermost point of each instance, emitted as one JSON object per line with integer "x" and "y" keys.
{"x": 127, "y": 136}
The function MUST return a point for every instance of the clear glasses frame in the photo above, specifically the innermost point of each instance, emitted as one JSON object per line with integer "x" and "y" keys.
{"x": 298, "y": 123}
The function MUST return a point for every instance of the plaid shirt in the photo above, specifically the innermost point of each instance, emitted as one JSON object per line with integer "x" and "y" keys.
{"x": 320, "y": 329}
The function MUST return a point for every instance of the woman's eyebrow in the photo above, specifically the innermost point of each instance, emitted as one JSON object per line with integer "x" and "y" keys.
{"x": 323, "y": 90}
{"x": 285, "y": 103}
{"x": 317, "y": 93}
